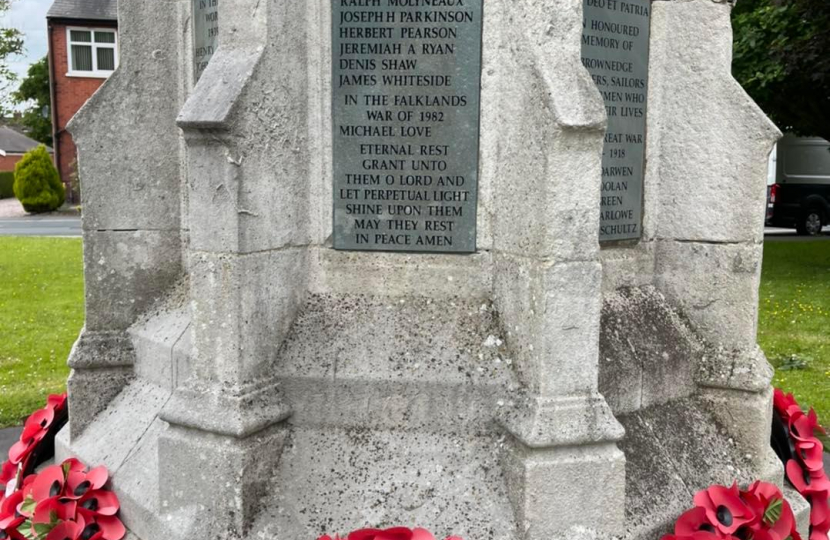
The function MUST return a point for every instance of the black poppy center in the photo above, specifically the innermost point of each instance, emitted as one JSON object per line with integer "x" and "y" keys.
{"x": 707, "y": 527}
{"x": 724, "y": 516}
{"x": 3, "y": 535}
{"x": 82, "y": 488}
{"x": 55, "y": 489}
{"x": 90, "y": 504}
{"x": 90, "y": 531}
{"x": 43, "y": 423}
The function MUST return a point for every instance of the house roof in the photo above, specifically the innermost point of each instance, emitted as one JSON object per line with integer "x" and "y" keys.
{"x": 97, "y": 10}
{"x": 12, "y": 142}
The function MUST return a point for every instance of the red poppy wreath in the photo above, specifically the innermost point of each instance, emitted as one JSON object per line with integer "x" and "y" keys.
{"x": 395, "y": 533}
{"x": 60, "y": 502}
{"x": 759, "y": 513}
{"x": 37, "y": 441}
{"x": 794, "y": 440}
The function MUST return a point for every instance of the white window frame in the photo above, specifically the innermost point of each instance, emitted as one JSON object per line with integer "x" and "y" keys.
{"x": 95, "y": 73}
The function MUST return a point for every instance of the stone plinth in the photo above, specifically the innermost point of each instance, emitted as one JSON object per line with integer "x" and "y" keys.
{"x": 244, "y": 379}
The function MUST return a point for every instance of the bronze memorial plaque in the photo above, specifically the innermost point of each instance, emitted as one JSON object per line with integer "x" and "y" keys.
{"x": 615, "y": 43}
{"x": 406, "y": 78}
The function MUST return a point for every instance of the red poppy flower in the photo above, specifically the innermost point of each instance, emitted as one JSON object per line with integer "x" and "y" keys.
{"x": 364, "y": 534}
{"x": 783, "y": 528}
{"x": 100, "y": 502}
{"x": 807, "y": 482}
{"x": 766, "y": 490}
{"x": 109, "y": 527}
{"x": 34, "y": 431}
{"x": 811, "y": 454}
{"x": 63, "y": 509}
{"x": 423, "y": 534}
{"x": 693, "y": 521}
{"x": 9, "y": 516}
{"x": 73, "y": 465}
{"x": 820, "y": 511}
{"x": 700, "y": 535}
{"x": 760, "y": 496}
{"x": 395, "y": 533}
{"x": 39, "y": 420}
{"x": 802, "y": 426}
{"x": 12, "y": 534}
{"x": 785, "y": 404}
{"x": 79, "y": 483}
{"x": 8, "y": 473}
{"x": 67, "y": 530}
{"x": 56, "y": 402}
{"x": 46, "y": 485}
{"x": 724, "y": 508}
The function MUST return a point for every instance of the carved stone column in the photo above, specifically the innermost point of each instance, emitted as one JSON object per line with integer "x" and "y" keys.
{"x": 710, "y": 144}
{"x": 247, "y": 264}
{"x": 129, "y": 170}
{"x": 565, "y": 472}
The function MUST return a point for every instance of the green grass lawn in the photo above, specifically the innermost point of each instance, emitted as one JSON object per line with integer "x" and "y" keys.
{"x": 794, "y": 323}
{"x": 41, "y": 314}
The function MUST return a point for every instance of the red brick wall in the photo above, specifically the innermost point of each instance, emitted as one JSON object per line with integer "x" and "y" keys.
{"x": 70, "y": 93}
{"x": 8, "y": 162}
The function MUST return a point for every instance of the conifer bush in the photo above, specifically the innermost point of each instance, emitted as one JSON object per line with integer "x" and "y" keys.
{"x": 37, "y": 184}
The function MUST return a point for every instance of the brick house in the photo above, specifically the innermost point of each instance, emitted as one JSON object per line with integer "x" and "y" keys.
{"x": 83, "y": 52}
{"x": 13, "y": 145}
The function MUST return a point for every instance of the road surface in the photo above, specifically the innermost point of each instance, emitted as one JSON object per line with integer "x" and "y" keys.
{"x": 774, "y": 234}
{"x": 53, "y": 225}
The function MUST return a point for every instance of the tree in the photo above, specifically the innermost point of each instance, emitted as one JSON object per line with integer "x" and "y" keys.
{"x": 11, "y": 44}
{"x": 37, "y": 184}
{"x": 781, "y": 59}
{"x": 35, "y": 88}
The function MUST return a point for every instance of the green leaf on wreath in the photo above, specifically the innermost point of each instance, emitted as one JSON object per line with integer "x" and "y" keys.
{"x": 42, "y": 530}
{"x": 65, "y": 467}
{"x": 28, "y": 506}
{"x": 773, "y": 512}
{"x": 26, "y": 530}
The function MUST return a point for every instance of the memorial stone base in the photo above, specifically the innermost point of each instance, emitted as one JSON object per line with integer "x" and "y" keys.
{"x": 486, "y": 267}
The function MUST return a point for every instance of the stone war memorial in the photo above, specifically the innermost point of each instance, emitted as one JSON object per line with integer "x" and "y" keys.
{"x": 486, "y": 267}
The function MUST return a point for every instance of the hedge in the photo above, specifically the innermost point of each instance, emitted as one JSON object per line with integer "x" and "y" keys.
{"x": 6, "y": 185}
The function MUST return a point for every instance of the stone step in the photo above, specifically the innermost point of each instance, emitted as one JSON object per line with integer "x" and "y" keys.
{"x": 361, "y": 360}
{"x": 124, "y": 438}
{"x": 336, "y": 481}
{"x": 673, "y": 450}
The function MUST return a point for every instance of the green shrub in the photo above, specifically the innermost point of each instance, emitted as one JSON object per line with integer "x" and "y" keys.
{"x": 6, "y": 185}
{"x": 37, "y": 184}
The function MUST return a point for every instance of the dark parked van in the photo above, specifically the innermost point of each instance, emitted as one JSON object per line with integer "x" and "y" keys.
{"x": 799, "y": 198}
